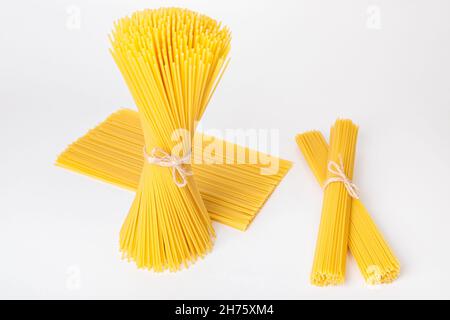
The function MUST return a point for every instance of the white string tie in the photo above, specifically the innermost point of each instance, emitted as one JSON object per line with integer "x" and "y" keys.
{"x": 338, "y": 171}
{"x": 163, "y": 159}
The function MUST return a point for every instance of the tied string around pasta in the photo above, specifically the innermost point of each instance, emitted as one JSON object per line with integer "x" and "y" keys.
{"x": 339, "y": 176}
{"x": 161, "y": 158}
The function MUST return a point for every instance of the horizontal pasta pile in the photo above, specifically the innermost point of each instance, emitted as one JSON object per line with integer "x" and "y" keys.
{"x": 376, "y": 261}
{"x": 233, "y": 193}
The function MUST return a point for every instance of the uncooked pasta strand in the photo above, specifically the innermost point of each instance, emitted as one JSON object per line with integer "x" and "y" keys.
{"x": 233, "y": 193}
{"x": 375, "y": 259}
{"x": 331, "y": 248}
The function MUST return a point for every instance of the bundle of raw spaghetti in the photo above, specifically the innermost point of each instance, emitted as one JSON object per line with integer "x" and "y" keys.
{"x": 171, "y": 60}
{"x": 374, "y": 257}
{"x": 233, "y": 192}
{"x": 331, "y": 247}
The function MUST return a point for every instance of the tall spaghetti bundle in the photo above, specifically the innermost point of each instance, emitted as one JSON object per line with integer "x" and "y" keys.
{"x": 233, "y": 192}
{"x": 374, "y": 257}
{"x": 171, "y": 60}
{"x": 331, "y": 248}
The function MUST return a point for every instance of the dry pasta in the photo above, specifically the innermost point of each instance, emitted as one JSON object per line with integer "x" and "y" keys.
{"x": 374, "y": 257}
{"x": 331, "y": 248}
{"x": 233, "y": 193}
{"x": 172, "y": 60}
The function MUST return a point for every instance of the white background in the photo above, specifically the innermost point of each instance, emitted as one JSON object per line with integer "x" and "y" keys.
{"x": 296, "y": 65}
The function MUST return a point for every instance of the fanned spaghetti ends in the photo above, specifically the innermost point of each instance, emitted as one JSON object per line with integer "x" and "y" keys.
{"x": 233, "y": 193}
{"x": 331, "y": 248}
{"x": 172, "y": 60}
{"x": 374, "y": 257}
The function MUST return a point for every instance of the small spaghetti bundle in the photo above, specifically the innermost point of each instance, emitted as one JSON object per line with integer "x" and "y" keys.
{"x": 374, "y": 257}
{"x": 172, "y": 60}
{"x": 331, "y": 248}
{"x": 233, "y": 192}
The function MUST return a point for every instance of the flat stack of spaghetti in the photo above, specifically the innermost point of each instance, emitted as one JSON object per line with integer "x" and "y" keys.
{"x": 344, "y": 218}
{"x": 233, "y": 192}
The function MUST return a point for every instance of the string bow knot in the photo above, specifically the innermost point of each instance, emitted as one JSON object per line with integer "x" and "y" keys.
{"x": 161, "y": 158}
{"x": 339, "y": 176}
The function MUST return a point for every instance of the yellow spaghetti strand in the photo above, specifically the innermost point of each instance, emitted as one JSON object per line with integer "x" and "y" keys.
{"x": 375, "y": 259}
{"x": 170, "y": 59}
{"x": 331, "y": 248}
{"x": 233, "y": 193}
